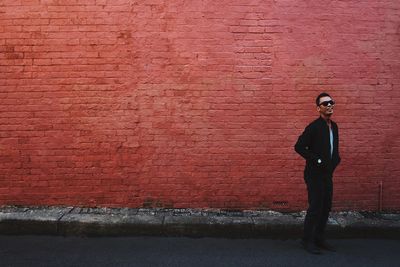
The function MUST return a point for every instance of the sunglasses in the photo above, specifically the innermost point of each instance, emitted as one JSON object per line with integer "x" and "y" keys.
{"x": 326, "y": 103}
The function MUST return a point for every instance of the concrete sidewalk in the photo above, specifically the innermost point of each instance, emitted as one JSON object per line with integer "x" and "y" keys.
{"x": 69, "y": 221}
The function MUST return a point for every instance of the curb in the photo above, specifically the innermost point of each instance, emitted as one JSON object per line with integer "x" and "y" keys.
{"x": 75, "y": 221}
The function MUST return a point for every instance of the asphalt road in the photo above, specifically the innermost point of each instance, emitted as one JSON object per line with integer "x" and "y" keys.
{"x": 163, "y": 251}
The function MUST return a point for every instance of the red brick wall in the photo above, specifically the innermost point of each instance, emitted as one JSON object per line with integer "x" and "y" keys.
{"x": 173, "y": 103}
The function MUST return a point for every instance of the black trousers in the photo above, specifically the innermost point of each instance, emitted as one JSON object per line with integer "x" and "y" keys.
{"x": 320, "y": 191}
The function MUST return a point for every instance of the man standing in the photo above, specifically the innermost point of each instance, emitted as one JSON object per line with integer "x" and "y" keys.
{"x": 319, "y": 145}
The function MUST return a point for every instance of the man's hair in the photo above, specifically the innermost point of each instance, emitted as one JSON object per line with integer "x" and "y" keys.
{"x": 319, "y": 96}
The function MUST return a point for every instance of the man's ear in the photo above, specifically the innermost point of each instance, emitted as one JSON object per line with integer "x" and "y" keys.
{"x": 318, "y": 109}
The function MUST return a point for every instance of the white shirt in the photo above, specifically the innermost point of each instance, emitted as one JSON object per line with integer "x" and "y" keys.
{"x": 331, "y": 139}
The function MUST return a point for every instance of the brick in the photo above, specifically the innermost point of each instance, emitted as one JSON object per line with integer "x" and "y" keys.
{"x": 208, "y": 99}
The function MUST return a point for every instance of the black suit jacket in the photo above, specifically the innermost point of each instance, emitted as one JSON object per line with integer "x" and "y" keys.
{"x": 314, "y": 144}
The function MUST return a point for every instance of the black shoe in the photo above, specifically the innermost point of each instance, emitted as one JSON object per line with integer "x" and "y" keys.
{"x": 325, "y": 246}
{"x": 310, "y": 247}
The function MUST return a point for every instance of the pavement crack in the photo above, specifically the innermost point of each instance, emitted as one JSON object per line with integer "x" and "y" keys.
{"x": 58, "y": 224}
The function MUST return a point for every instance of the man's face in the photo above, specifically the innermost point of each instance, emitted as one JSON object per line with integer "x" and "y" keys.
{"x": 326, "y": 105}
